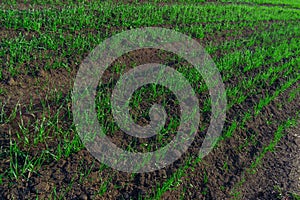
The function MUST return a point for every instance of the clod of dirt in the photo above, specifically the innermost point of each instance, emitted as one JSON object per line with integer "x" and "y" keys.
{"x": 43, "y": 187}
{"x": 12, "y": 82}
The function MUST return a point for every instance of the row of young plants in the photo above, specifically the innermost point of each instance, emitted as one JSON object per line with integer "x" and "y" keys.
{"x": 175, "y": 179}
{"x": 252, "y": 169}
{"x": 19, "y": 52}
{"x": 42, "y": 134}
{"x": 229, "y": 65}
{"x": 138, "y": 15}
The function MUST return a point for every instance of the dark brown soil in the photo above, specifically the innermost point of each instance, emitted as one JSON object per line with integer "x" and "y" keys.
{"x": 276, "y": 178}
{"x": 60, "y": 174}
{"x": 267, "y": 183}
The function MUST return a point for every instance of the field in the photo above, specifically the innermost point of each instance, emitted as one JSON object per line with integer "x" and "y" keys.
{"x": 255, "y": 45}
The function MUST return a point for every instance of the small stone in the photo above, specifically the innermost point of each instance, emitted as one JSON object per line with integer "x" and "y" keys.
{"x": 83, "y": 197}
